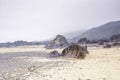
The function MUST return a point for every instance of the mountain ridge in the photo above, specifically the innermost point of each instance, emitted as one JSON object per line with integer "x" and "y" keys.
{"x": 104, "y": 31}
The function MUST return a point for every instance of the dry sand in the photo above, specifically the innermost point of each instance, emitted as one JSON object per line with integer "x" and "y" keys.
{"x": 31, "y": 63}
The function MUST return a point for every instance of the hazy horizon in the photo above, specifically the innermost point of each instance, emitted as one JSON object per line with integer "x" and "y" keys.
{"x": 38, "y": 20}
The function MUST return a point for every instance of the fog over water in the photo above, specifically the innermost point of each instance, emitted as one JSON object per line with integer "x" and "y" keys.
{"x": 37, "y": 20}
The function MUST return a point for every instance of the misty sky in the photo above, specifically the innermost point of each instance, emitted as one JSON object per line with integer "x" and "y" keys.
{"x": 36, "y": 20}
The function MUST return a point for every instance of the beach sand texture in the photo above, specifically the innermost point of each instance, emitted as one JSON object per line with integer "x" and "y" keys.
{"x": 32, "y": 63}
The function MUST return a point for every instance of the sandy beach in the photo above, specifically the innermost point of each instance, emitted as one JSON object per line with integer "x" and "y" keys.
{"x": 33, "y": 63}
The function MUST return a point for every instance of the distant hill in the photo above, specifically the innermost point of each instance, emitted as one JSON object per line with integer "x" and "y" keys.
{"x": 70, "y": 35}
{"x": 20, "y": 43}
{"x": 102, "y": 32}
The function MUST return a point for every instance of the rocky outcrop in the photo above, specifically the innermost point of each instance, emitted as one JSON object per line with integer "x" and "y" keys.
{"x": 54, "y": 54}
{"x": 75, "y": 51}
{"x": 107, "y": 46}
{"x": 116, "y": 44}
{"x": 83, "y": 41}
{"x": 115, "y": 38}
{"x": 59, "y": 41}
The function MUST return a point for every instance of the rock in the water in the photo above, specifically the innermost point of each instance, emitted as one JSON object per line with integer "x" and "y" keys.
{"x": 54, "y": 54}
{"x": 75, "y": 51}
{"x": 59, "y": 41}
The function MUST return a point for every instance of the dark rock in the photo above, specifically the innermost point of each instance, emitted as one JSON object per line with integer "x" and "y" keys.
{"x": 83, "y": 41}
{"x": 101, "y": 43}
{"x": 116, "y": 44}
{"x": 107, "y": 46}
{"x": 54, "y": 54}
{"x": 115, "y": 38}
{"x": 59, "y": 41}
{"x": 75, "y": 51}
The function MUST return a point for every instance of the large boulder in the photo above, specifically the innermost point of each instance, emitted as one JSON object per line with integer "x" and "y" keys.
{"x": 83, "y": 41}
{"x": 116, "y": 44}
{"x": 75, "y": 51}
{"x": 107, "y": 46}
{"x": 54, "y": 54}
{"x": 115, "y": 38}
{"x": 59, "y": 41}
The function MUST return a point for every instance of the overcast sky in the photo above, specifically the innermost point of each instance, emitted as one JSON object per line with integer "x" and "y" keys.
{"x": 36, "y": 20}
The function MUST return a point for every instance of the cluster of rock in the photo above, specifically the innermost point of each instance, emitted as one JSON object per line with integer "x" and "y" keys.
{"x": 59, "y": 41}
{"x": 114, "y": 40}
{"x": 72, "y": 51}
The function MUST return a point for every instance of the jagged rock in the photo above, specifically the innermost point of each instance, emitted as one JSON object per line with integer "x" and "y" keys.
{"x": 83, "y": 41}
{"x": 59, "y": 41}
{"x": 75, "y": 51}
{"x": 116, "y": 44}
{"x": 54, "y": 54}
{"x": 107, "y": 46}
{"x": 115, "y": 38}
{"x": 101, "y": 43}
